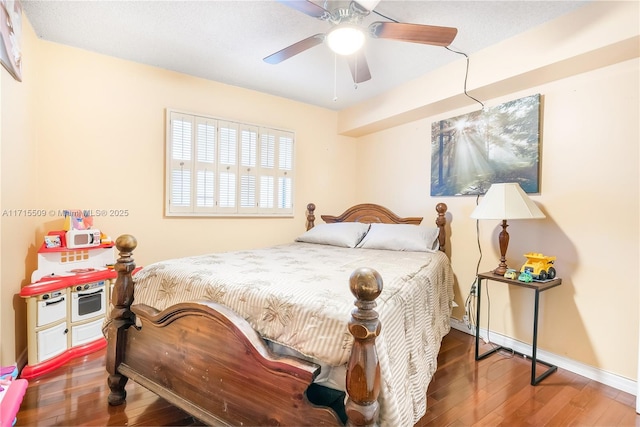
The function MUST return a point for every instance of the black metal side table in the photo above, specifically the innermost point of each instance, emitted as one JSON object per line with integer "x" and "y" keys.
{"x": 537, "y": 287}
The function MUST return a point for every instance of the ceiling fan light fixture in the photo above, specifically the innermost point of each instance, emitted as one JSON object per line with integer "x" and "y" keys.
{"x": 345, "y": 39}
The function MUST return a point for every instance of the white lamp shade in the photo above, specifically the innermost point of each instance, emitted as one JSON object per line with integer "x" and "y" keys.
{"x": 506, "y": 201}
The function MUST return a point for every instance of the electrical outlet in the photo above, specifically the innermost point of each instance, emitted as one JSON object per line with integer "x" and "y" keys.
{"x": 473, "y": 289}
{"x": 465, "y": 319}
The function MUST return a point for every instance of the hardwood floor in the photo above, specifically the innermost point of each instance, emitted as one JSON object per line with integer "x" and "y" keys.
{"x": 492, "y": 392}
{"x": 496, "y": 392}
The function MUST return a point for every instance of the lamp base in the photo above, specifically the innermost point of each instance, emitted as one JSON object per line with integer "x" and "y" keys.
{"x": 500, "y": 270}
{"x": 503, "y": 239}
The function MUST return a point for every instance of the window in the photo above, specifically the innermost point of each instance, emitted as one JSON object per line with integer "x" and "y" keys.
{"x": 220, "y": 167}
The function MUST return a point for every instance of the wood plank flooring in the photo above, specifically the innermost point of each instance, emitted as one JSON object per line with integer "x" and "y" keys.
{"x": 492, "y": 392}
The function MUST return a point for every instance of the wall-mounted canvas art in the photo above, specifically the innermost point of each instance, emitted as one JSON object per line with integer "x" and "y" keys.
{"x": 10, "y": 37}
{"x": 473, "y": 151}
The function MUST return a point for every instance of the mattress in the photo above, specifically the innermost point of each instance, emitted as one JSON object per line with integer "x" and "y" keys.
{"x": 297, "y": 297}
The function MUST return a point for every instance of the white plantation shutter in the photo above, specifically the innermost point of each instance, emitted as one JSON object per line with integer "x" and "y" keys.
{"x": 276, "y": 171}
{"x": 248, "y": 169}
{"x": 285, "y": 172}
{"x": 180, "y": 163}
{"x": 220, "y": 167}
{"x": 267, "y": 192}
{"x": 248, "y": 193}
{"x": 267, "y": 150}
{"x": 285, "y": 191}
{"x": 267, "y": 170}
{"x": 285, "y": 155}
{"x": 228, "y": 167}
{"x": 205, "y": 164}
{"x": 181, "y": 191}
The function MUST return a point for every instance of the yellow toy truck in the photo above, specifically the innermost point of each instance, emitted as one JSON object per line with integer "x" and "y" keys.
{"x": 539, "y": 266}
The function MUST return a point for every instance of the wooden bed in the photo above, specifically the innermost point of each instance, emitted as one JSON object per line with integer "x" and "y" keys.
{"x": 231, "y": 376}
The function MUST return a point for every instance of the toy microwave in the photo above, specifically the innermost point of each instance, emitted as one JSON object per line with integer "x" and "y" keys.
{"x": 83, "y": 238}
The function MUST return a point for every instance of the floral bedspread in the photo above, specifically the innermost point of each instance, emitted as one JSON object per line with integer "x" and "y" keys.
{"x": 298, "y": 295}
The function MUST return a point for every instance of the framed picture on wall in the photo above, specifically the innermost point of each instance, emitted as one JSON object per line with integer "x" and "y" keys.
{"x": 10, "y": 37}
{"x": 498, "y": 144}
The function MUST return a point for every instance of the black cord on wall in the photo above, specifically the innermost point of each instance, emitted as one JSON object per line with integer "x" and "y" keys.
{"x": 470, "y": 302}
{"x": 466, "y": 75}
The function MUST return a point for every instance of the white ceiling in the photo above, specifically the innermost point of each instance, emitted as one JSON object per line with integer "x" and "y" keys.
{"x": 225, "y": 41}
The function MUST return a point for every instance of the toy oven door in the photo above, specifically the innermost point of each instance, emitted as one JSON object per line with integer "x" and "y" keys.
{"x": 86, "y": 304}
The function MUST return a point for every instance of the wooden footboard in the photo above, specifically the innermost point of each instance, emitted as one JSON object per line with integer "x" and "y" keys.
{"x": 208, "y": 361}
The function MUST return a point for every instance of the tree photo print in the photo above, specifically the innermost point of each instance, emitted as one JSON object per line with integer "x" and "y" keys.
{"x": 498, "y": 144}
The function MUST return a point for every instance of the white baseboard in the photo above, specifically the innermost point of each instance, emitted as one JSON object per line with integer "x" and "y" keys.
{"x": 596, "y": 374}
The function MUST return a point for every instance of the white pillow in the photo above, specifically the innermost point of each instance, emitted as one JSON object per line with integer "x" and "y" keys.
{"x": 343, "y": 234}
{"x": 401, "y": 237}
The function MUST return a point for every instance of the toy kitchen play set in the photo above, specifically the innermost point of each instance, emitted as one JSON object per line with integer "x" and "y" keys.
{"x": 68, "y": 296}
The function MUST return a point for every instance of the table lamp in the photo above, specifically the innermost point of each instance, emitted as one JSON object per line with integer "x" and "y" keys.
{"x": 506, "y": 201}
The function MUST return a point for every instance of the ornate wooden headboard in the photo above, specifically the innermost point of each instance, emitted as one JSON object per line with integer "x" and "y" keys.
{"x": 372, "y": 213}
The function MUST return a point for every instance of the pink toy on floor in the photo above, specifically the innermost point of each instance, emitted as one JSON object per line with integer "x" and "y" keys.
{"x": 11, "y": 393}
{"x": 8, "y": 371}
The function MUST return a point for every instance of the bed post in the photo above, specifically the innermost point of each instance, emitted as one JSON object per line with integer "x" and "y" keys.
{"x": 311, "y": 208}
{"x": 121, "y": 318}
{"x": 441, "y": 221}
{"x": 363, "y": 369}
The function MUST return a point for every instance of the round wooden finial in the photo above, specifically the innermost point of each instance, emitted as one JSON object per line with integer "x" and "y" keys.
{"x": 441, "y": 208}
{"x": 126, "y": 243}
{"x": 365, "y": 284}
{"x": 311, "y": 218}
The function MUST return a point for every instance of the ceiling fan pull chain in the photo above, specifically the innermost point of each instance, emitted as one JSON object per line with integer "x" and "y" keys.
{"x": 355, "y": 77}
{"x": 335, "y": 77}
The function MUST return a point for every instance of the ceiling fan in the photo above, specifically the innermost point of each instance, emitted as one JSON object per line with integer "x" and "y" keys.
{"x": 347, "y": 22}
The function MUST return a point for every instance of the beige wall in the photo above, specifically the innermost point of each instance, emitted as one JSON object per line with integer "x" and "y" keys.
{"x": 18, "y": 191}
{"x": 589, "y": 192}
{"x": 111, "y": 113}
{"x": 81, "y": 105}
{"x": 589, "y": 184}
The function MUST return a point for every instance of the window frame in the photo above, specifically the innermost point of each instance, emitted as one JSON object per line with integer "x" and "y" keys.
{"x": 201, "y": 154}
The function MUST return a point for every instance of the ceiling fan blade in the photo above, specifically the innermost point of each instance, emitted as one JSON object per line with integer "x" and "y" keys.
{"x": 294, "y": 49}
{"x": 359, "y": 67}
{"x": 308, "y": 8}
{"x": 415, "y": 33}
